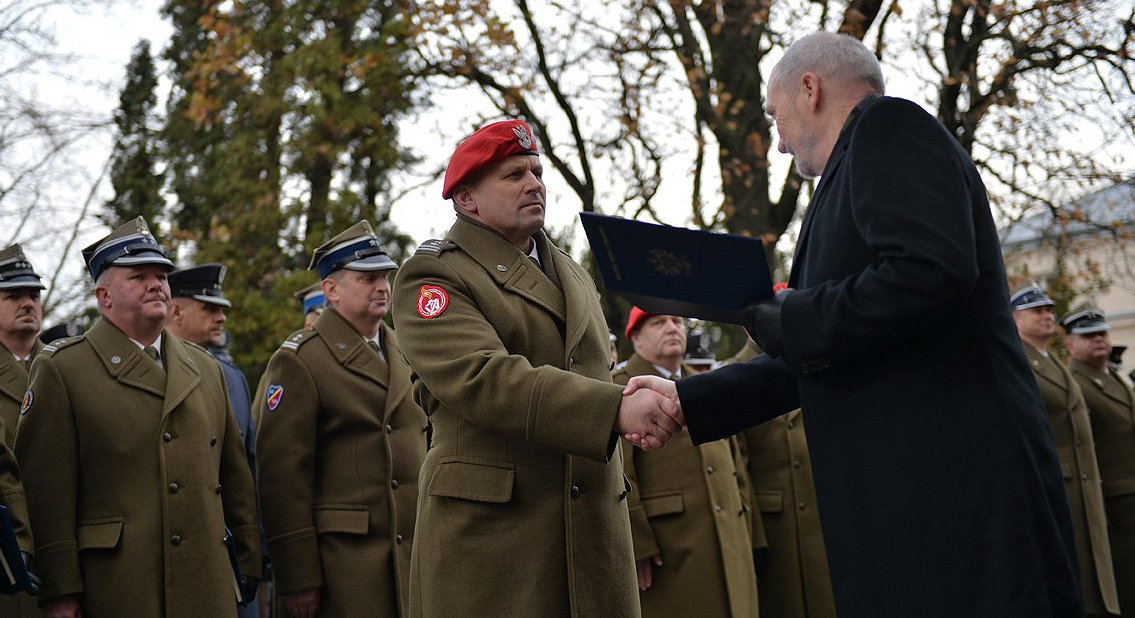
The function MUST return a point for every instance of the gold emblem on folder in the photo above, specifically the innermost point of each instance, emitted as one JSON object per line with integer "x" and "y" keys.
{"x": 668, "y": 263}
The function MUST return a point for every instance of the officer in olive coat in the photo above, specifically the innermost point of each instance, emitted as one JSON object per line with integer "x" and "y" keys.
{"x": 131, "y": 458}
{"x": 1068, "y": 415}
{"x": 688, "y": 520}
{"x": 793, "y": 568}
{"x": 341, "y": 441}
{"x": 1111, "y": 407}
{"x": 197, "y": 315}
{"x": 522, "y": 509}
{"x": 12, "y": 496}
{"x": 21, "y": 316}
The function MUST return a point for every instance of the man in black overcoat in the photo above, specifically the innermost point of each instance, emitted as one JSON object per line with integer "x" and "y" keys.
{"x": 939, "y": 488}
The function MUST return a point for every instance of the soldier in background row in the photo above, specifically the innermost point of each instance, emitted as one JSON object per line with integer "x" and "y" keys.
{"x": 21, "y": 316}
{"x": 341, "y": 441}
{"x": 792, "y": 567}
{"x": 1068, "y": 416}
{"x": 689, "y": 522}
{"x": 314, "y": 301}
{"x": 131, "y": 457}
{"x": 197, "y": 315}
{"x": 1111, "y": 407}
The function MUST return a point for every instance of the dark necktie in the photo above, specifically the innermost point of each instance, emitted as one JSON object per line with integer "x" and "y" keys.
{"x": 24, "y": 363}
{"x": 537, "y": 263}
{"x": 152, "y": 352}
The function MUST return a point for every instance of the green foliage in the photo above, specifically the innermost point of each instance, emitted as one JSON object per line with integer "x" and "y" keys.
{"x": 137, "y": 186}
{"x": 281, "y": 132}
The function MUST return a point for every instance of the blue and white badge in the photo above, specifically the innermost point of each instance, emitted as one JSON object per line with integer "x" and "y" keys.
{"x": 275, "y": 395}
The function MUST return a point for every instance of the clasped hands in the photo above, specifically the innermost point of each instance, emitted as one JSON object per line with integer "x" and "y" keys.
{"x": 650, "y": 413}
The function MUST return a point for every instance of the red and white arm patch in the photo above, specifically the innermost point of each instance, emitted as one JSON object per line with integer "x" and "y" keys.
{"x": 432, "y": 301}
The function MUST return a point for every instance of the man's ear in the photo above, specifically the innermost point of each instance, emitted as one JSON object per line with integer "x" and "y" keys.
{"x": 175, "y": 312}
{"x": 330, "y": 289}
{"x": 810, "y": 89}
{"x": 102, "y": 297}
{"x": 463, "y": 200}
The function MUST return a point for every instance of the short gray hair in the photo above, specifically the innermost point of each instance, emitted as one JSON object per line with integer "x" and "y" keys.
{"x": 829, "y": 55}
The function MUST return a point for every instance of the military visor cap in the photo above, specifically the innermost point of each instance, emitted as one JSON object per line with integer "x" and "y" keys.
{"x": 202, "y": 283}
{"x": 486, "y": 146}
{"x": 131, "y": 244}
{"x": 356, "y": 248}
{"x": 1029, "y": 297}
{"x": 16, "y": 271}
{"x": 1085, "y": 322}
{"x": 312, "y": 298}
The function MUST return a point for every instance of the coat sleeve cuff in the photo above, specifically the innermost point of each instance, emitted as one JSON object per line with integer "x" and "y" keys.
{"x": 58, "y": 568}
{"x": 295, "y": 561}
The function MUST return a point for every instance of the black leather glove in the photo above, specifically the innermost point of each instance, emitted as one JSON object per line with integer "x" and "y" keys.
{"x": 248, "y": 586}
{"x": 762, "y": 322}
{"x": 760, "y": 557}
{"x": 33, "y": 581}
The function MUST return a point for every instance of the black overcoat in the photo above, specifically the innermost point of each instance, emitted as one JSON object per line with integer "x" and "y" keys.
{"x": 939, "y": 487}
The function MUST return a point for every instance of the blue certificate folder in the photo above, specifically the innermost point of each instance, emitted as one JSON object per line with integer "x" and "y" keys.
{"x": 678, "y": 271}
{"x": 13, "y": 572}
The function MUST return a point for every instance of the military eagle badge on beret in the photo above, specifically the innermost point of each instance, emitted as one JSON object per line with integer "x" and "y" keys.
{"x": 432, "y": 301}
{"x": 274, "y": 395}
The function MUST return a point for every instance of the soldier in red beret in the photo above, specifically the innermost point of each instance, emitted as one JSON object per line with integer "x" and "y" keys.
{"x": 524, "y": 505}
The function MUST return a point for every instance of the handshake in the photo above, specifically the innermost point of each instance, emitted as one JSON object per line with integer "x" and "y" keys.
{"x": 650, "y": 413}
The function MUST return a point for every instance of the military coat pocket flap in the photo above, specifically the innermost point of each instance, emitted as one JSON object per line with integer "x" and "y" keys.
{"x": 669, "y": 503}
{"x": 348, "y": 520}
{"x": 100, "y": 534}
{"x": 481, "y": 482}
{"x": 1118, "y": 487}
{"x": 770, "y": 501}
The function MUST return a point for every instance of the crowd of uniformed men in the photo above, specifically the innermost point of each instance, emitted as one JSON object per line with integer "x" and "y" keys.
{"x": 467, "y": 465}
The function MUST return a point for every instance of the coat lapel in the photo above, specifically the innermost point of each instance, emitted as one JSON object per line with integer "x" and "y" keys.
{"x": 579, "y": 298}
{"x": 816, "y": 203}
{"x": 182, "y": 373}
{"x": 1046, "y": 367}
{"x": 1108, "y": 383}
{"x": 350, "y": 349}
{"x": 399, "y": 372}
{"x": 13, "y": 377}
{"x": 124, "y": 360}
{"x": 511, "y": 269}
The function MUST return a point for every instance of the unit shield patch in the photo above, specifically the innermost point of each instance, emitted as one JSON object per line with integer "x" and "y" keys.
{"x": 275, "y": 395}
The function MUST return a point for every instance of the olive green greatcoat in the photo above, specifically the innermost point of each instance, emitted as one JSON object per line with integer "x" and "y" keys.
{"x": 13, "y": 383}
{"x": 522, "y": 510}
{"x": 685, "y": 506}
{"x": 131, "y": 474}
{"x": 337, "y": 466}
{"x": 1111, "y": 404}
{"x": 794, "y": 579}
{"x": 1068, "y": 416}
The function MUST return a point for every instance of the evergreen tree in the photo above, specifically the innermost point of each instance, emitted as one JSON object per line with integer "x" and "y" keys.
{"x": 137, "y": 186}
{"x": 281, "y": 132}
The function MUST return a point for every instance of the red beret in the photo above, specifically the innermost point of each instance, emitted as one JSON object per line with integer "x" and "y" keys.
{"x": 487, "y": 145}
{"x": 636, "y": 317}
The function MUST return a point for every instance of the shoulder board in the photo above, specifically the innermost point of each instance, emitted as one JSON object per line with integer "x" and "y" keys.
{"x": 435, "y": 246}
{"x": 190, "y": 344}
{"x": 59, "y": 344}
{"x": 296, "y": 339}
